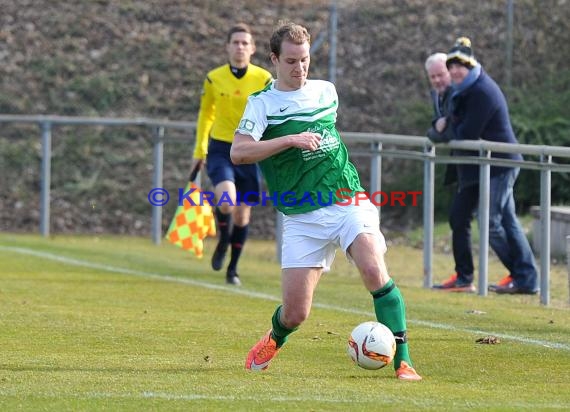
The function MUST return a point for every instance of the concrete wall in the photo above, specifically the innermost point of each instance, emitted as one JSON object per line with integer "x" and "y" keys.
{"x": 559, "y": 229}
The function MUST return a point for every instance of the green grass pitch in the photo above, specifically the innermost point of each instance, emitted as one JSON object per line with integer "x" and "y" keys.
{"x": 119, "y": 324}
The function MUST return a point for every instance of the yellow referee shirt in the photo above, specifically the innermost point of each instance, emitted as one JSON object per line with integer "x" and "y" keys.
{"x": 223, "y": 101}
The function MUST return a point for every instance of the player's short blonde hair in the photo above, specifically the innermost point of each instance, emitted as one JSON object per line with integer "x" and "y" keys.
{"x": 288, "y": 31}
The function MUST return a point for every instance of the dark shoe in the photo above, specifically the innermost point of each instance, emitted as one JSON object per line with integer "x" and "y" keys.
{"x": 219, "y": 256}
{"x": 503, "y": 282}
{"x": 512, "y": 289}
{"x": 453, "y": 284}
{"x": 232, "y": 278}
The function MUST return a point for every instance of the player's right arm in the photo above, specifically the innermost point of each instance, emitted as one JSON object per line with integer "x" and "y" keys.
{"x": 206, "y": 117}
{"x": 245, "y": 149}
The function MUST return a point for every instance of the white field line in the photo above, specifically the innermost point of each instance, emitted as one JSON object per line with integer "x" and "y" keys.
{"x": 379, "y": 399}
{"x": 190, "y": 397}
{"x": 252, "y": 294}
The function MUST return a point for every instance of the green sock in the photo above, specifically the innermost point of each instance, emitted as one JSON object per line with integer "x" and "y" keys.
{"x": 279, "y": 332}
{"x": 391, "y": 311}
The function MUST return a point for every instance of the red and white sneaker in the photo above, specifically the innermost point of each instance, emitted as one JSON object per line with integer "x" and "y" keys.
{"x": 453, "y": 284}
{"x": 260, "y": 355}
{"x": 406, "y": 373}
{"x": 449, "y": 282}
{"x": 503, "y": 282}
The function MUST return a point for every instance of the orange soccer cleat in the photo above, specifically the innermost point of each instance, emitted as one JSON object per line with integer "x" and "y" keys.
{"x": 261, "y": 354}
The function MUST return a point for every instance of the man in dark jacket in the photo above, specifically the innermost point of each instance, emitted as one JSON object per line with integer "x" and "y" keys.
{"x": 440, "y": 82}
{"x": 478, "y": 110}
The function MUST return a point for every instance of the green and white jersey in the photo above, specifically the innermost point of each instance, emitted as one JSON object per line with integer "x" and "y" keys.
{"x": 300, "y": 181}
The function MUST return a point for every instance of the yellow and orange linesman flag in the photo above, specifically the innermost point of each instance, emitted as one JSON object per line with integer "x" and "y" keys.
{"x": 192, "y": 222}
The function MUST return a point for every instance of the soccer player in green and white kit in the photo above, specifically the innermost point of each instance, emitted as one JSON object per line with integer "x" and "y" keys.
{"x": 289, "y": 128}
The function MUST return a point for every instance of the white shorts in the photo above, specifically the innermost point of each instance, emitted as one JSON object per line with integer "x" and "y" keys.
{"x": 310, "y": 239}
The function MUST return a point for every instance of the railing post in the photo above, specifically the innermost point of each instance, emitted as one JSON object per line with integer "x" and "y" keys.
{"x": 376, "y": 171}
{"x": 158, "y": 155}
{"x": 484, "y": 189}
{"x": 333, "y": 27}
{"x": 428, "y": 213}
{"x": 568, "y": 263}
{"x": 545, "y": 183}
{"x": 45, "y": 179}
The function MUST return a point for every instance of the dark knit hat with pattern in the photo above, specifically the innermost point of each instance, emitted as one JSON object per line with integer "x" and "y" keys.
{"x": 461, "y": 53}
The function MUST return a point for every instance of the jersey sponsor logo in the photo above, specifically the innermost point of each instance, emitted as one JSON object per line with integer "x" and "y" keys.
{"x": 282, "y": 109}
{"x": 328, "y": 143}
{"x": 246, "y": 124}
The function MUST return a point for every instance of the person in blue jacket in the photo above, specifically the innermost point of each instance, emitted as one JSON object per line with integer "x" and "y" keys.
{"x": 478, "y": 110}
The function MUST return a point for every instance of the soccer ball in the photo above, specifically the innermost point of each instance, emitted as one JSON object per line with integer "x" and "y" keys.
{"x": 371, "y": 345}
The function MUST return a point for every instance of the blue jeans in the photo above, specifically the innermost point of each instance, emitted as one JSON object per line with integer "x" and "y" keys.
{"x": 463, "y": 208}
{"x": 506, "y": 235}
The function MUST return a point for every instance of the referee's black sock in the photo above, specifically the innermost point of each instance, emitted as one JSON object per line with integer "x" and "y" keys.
{"x": 224, "y": 224}
{"x": 238, "y": 238}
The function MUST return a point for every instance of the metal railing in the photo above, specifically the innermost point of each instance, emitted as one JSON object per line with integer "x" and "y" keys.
{"x": 428, "y": 153}
{"x": 381, "y": 145}
{"x": 46, "y": 124}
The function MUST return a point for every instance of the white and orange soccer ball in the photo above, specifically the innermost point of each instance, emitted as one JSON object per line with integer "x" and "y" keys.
{"x": 371, "y": 345}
